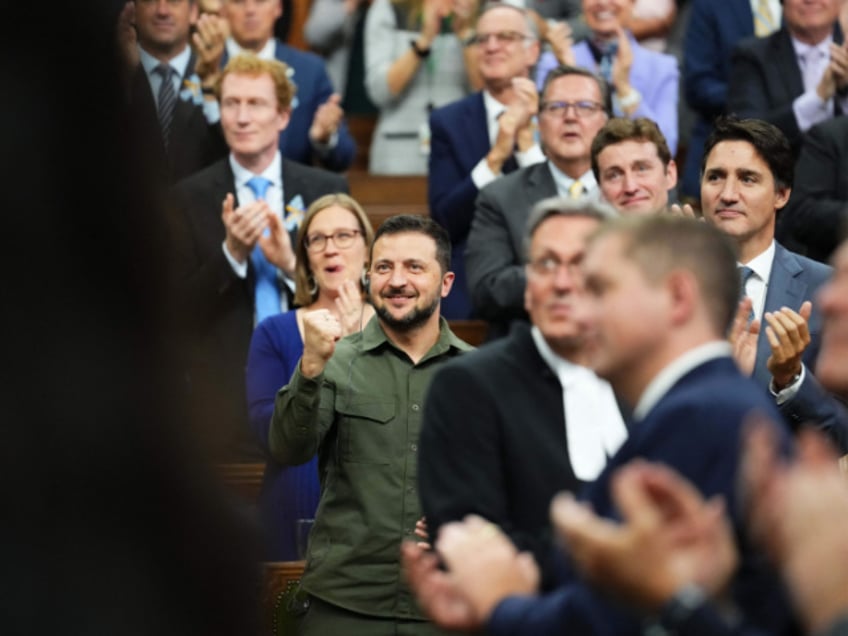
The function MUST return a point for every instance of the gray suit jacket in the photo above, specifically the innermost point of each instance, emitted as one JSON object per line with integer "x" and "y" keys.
{"x": 495, "y": 253}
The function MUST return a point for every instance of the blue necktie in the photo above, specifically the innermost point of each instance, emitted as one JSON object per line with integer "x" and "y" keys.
{"x": 266, "y": 293}
{"x": 607, "y": 57}
{"x": 745, "y": 273}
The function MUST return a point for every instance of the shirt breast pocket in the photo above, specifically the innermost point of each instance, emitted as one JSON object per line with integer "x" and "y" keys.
{"x": 366, "y": 434}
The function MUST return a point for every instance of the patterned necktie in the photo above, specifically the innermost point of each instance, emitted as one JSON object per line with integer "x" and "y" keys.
{"x": 267, "y": 297}
{"x": 576, "y": 190}
{"x": 745, "y": 274}
{"x": 764, "y": 22}
{"x": 608, "y": 52}
{"x": 166, "y": 101}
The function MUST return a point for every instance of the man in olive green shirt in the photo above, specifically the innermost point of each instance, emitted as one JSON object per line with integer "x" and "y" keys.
{"x": 357, "y": 402}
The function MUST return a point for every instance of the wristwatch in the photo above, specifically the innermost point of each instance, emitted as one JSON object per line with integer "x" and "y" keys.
{"x": 422, "y": 53}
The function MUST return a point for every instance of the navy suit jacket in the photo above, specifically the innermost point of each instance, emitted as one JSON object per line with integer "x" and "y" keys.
{"x": 696, "y": 429}
{"x": 494, "y": 257}
{"x": 459, "y": 138}
{"x": 714, "y": 29}
{"x": 217, "y": 306}
{"x": 313, "y": 89}
{"x": 765, "y": 80}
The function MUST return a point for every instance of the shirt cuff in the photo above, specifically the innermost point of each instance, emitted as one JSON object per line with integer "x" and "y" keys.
{"x": 530, "y": 156}
{"x": 788, "y": 392}
{"x": 240, "y": 269}
{"x": 482, "y": 174}
{"x": 810, "y": 110}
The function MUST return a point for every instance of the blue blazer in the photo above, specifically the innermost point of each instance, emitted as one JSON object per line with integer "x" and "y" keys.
{"x": 714, "y": 29}
{"x": 695, "y": 428}
{"x": 459, "y": 138}
{"x": 310, "y": 77}
{"x": 794, "y": 279}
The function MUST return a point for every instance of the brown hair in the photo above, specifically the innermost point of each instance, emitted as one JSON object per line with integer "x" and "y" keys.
{"x": 303, "y": 280}
{"x": 249, "y": 64}
{"x": 619, "y": 129}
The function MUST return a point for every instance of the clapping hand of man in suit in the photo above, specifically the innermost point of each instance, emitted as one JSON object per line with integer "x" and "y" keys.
{"x": 127, "y": 38}
{"x": 515, "y": 125}
{"x": 836, "y": 75}
{"x": 327, "y": 119}
{"x": 321, "y": 331}
{"x": 558, "y": 36}
{"x": 209, "y": 42}
{"x": 276, "y": 245}
{"x": 743, "y": 337}
{"x": 244, "y": 226}
{"x": 789, "y": 336}
{"x": 621, "y": 72}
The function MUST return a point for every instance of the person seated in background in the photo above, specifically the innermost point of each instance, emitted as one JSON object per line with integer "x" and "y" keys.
{"x": 233, "y": 226}
{"x": 172, "y": 109}
{"x": 817, "y": 212}
{"x": 574, "y": 106}
{"x": 797, "y": 76}
{"x": 634, "y": 168}
{"x": 416, "y": 60}
{"x": 643, "y": 83}
{"x": 331, "y": 251}
{"x": 318, "y": 133}
{"x": 482, "y": 137}
{"x": 713, "y": 31}
{"x": 335, "y": 30}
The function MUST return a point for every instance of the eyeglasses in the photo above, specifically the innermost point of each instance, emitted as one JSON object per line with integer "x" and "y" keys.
{"x": 341, "y": 239}
{"x": 501, "y": 37}
{"x": 584, "y": 108}
{"x": 547, "y": 266}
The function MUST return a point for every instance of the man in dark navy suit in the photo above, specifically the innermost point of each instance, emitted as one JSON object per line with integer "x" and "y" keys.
{"x": 479, "y": 138}
{"x": 660, "y": 295}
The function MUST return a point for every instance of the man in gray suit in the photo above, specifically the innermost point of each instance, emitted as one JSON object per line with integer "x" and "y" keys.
{"x": 574, "y": 106}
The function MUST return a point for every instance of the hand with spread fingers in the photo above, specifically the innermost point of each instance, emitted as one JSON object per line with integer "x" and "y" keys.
{"x": 209, "y": 40}
{"x": 353, "y": 312}
{"x": 327, "y": 119}
{"x": 669, "y": 537}
{"x": 789, "y": 336}
{"x": 743, "y": 337}
{"x": 276, "y": 245}
{"x": 685, "y": 211}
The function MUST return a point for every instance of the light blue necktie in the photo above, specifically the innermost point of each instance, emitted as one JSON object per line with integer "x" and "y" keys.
{"x": 607, "y": 58}
{"x": 266, "y": 294}
{"x": 745, "y": 273}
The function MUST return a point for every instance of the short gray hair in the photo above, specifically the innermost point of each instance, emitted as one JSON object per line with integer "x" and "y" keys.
{"x": 532, "y": 28}
{"x": 562, "y": 206}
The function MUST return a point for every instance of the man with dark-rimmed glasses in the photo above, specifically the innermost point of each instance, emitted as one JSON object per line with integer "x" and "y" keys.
{"x": 574, "y": 105}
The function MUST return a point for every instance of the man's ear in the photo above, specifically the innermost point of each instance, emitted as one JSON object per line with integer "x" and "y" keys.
{"x": 447, "y": 283}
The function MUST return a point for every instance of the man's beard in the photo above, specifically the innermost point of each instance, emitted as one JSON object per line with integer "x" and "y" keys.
{"x": 415, "y": 318}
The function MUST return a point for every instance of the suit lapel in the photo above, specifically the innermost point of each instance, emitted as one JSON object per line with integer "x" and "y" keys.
{"x": 475, "y": 123}
{"x": 786, "y": 288}
{"x": 785, "y": 64}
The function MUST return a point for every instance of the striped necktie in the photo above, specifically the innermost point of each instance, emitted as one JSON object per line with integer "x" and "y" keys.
{"x": 764, "y": 22}
{"x": 166, "y": 101}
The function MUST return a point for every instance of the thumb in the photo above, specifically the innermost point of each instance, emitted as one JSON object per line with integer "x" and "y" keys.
{"x": 334, "y": 99}
{"x": 806, "y": 310}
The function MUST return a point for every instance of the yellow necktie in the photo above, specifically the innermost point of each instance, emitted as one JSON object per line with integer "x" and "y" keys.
{"x": 764, "y": 23}
{"x": 576, "y": 189}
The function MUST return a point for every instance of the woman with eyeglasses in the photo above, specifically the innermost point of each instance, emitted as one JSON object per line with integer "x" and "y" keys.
{"x": 417, "y": 58}
{"x": 332, "y": 255}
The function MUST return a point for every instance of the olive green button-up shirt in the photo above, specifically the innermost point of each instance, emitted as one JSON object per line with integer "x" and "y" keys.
{"x": 362, "y": 416}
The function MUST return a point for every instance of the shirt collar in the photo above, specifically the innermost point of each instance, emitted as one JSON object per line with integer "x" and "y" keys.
{"x": 802, "y": 49}
{"x": 373, "y": 337}
{"x": 179, "y": 62}
{"x": 563, "y": 181}
{"x": 242, "y": 175}
{"x": 267, "y": 52}
{"x": 761, "y": 264}
{"x": 493, "y": 110}
{"x": 565, "y": 370}
{"x": 668, "y": 377}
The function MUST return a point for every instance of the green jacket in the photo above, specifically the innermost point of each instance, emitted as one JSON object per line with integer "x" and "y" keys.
{"x": 362, "y": 416}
